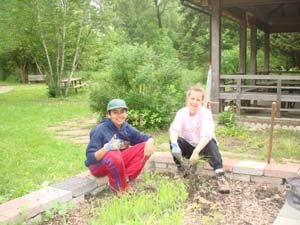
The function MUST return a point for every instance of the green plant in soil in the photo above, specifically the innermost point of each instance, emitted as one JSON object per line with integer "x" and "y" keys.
{"x": 160, "y": 201}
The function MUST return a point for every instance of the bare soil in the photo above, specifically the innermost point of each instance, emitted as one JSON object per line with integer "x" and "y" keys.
{"x": 247, "y": 204}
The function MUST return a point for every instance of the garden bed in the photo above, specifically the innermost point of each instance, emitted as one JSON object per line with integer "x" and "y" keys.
{"x": 248, "y": 203}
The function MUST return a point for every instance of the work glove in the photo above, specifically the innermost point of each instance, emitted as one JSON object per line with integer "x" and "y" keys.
{"x": 176, "y": 151}
{"x": 113, "y": 144}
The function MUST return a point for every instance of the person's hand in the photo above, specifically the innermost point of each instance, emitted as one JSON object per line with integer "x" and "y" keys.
{"x": 113, "y": 144}
{"x": 194, "y": 158}
{"x": 176, "y": 151}
{"x": 149, "y": 148}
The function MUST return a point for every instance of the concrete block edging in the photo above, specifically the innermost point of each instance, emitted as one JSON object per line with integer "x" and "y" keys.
{"x": 74, "y": 189}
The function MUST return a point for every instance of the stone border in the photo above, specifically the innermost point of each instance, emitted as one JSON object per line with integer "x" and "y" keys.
{"x": 73, "y": 189}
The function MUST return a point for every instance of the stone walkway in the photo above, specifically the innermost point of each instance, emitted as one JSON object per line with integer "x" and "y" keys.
{"x": 76, "y": 130}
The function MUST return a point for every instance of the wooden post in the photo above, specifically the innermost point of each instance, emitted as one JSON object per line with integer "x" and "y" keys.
{"x": 267, "y": 53}
{"x": 243, "y": 44}
{"x": 238, "y": 97}
{"x": 278, "y": 97}
{"x": 215, "y": 55}
{"x": 271, "y": 131}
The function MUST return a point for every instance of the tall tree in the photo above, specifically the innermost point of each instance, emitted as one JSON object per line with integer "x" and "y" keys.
{"x": 287, "y": 44}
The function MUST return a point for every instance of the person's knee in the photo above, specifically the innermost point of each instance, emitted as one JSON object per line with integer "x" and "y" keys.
{"x": 116, "y": 159}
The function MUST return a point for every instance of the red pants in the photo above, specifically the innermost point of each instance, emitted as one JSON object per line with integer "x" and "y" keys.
{"x": 118, "y": 165}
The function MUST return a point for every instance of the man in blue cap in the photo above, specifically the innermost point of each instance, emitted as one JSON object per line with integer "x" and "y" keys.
{"x": 117, "y": 150}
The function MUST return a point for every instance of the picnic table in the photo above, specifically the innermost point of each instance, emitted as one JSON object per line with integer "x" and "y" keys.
{"x": 75, "y": 83}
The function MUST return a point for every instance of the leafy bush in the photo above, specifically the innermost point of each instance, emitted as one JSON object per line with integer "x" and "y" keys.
{"x": 227, "y": 118}
{"x": 148, "y": 80}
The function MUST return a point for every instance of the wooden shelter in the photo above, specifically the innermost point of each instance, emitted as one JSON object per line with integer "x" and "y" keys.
{"x": 270, "y": 16}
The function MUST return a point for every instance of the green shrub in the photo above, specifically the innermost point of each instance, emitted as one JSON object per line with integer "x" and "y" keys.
{"x": 149, "y": 81}
{"x": 227, "y": 118}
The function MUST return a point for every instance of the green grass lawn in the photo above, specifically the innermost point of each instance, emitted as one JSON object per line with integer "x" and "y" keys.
{"x": 29, "y": 154}
{"x": 255, "y": 144}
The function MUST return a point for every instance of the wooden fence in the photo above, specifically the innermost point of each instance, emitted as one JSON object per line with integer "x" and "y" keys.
{"x": 247, "y": 90}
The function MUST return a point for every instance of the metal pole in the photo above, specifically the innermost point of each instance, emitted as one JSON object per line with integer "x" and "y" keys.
{"x": 271, "y": 131}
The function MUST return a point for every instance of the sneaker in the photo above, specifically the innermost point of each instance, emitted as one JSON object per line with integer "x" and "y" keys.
{"x": 223, "y": 186}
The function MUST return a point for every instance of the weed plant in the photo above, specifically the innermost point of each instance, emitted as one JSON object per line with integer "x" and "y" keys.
{"x": 160, "y": 201}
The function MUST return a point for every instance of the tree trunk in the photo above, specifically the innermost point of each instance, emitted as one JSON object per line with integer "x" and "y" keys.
{"x": 158, "y": 15}
{"x": 53, "y": 84}
{"x": 74, "y": 64}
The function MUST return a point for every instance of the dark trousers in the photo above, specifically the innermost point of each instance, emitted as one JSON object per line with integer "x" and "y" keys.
{"x": 210, "y": 151}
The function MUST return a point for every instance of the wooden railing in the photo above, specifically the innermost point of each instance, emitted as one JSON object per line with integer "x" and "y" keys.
{"x": 247, "y": 90}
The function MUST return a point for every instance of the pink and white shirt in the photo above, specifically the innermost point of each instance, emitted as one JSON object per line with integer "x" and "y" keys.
{"x": 193, "y": 128}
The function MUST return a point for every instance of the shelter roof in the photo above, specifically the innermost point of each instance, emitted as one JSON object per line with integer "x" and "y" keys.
{"x": 274, "y": 16}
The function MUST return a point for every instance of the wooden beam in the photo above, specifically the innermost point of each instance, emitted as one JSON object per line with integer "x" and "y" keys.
{"x": 291, "y": 20}
{"x": 288, "y": 24}
{"x": 285, "y": 28}
{"x": 238, "y": 3}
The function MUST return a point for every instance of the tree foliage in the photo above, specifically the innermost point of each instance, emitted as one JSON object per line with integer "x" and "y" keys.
{"x": 146, "y": 78}
{"x": 287, "y": 44}
{"x": 58, "y": 37}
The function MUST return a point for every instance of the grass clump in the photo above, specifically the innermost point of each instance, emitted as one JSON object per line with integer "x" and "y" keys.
{"x": 160, "y": 202}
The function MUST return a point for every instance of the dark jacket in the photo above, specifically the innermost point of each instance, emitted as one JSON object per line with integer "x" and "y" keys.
{"x": 104, "y": 132}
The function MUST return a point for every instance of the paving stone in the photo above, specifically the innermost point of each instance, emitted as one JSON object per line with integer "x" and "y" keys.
{"x": 172, "y": 167}
{"x": 249, "y": 167}
{"x": 19, "y": 208}
{"x": 163, "y": 170}
{"x": 3, "y": 219}
{"x": 160, "y": 165}
{"x": 229, "y": 163}
{"x": 279, "y": 170}
{"x": 285, "y": 221}
{"x": 101, "y": 181}
{"x": 289, "y": 212}
{"x": 38, "y": 219}
{"x": 149, "y": 164}
{"x": 163, "y": 157}
{"x": 165, "y": 146}
{"x": 49, "y": 196}
{"x": 266, "y": 180}
{"x": 237, "y": 176}
{"x": 99, "y": 189}
{"x": 77, "y": 185}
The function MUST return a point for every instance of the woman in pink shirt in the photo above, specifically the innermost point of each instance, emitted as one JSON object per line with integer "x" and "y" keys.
{"x": 192, "y": 133}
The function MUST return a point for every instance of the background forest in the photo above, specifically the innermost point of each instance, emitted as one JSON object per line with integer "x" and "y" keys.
{"x": 145, "y": 51}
